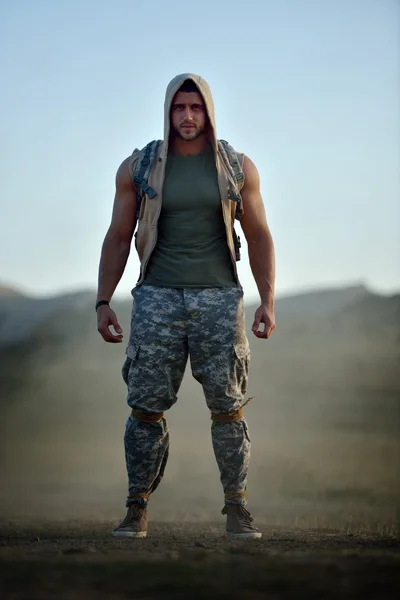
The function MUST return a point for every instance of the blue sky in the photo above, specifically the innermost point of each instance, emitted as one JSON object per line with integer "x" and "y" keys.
{"x": 309, "y": 89}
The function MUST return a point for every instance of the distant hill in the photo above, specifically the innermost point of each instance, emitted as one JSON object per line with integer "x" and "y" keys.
{"x": 323, "y": 301}
{"x": 9, "y": 291}
{"x": 22, "y": 317}
{"x": 370, "y": 310}
{"x": 328, "y": 325}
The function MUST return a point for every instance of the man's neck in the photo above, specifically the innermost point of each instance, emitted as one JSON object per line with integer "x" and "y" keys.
{"x": 189, "y": 148}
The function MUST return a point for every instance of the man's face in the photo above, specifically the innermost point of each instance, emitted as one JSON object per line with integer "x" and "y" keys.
{"x": 188, "y": 115}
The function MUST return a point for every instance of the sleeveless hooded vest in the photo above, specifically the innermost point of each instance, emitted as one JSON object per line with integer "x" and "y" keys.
{"x": 151, "y": 190}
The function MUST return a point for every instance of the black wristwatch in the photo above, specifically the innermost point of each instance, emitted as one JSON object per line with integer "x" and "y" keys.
{"x": 100, "y": 303}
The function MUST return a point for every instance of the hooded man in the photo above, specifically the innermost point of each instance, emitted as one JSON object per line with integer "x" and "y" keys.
{"x": 188, "y": 300}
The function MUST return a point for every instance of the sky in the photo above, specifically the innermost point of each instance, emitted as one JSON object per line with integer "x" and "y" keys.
{"x": 308, "y": 89}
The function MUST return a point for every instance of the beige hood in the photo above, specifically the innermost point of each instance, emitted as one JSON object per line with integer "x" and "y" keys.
{"x": 205, "y": 91}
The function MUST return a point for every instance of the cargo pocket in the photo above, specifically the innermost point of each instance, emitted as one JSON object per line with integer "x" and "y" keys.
{"x": 132, "y": 351}
{"x": 246, "y": 431}
{"x": 132, "y": 354}
{"x": 154, "y": 376}
{"x": 125, "y": 369}
{"x": 242, "y": 349}
{"x": 130, "y": 369}
{"x": 241, "y": 367}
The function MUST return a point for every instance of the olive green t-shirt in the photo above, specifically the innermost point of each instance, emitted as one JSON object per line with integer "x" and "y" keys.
{"x": 191, "y": 249}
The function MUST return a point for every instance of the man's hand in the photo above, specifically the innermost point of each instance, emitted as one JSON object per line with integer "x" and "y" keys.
{"x": 105, "y": 318}
{"x": 264, "y": 314}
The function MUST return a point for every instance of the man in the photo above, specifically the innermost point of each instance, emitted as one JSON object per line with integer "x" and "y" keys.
{"x": 188, "y": 300}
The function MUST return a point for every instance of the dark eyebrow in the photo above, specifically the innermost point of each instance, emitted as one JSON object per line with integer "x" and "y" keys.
{"x": 175, "y": 105}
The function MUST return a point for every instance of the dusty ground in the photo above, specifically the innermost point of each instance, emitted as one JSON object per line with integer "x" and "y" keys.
{"x": 79, "y": 560}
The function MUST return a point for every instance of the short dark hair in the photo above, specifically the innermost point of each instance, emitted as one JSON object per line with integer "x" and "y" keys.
{"x": 189, "y": 86}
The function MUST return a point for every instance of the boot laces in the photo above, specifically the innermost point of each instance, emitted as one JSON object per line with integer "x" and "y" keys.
{"x": 132, "y": 514}
{"x": 242, "y": 514}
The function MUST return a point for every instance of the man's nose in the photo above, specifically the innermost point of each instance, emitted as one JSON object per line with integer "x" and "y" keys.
{"x": 188, "y": 113}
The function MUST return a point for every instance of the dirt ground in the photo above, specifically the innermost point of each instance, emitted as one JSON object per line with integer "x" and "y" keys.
{"x": 81, "y": 560}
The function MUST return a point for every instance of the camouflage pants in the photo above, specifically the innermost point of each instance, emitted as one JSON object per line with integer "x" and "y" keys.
{"x": 168, "y": 325}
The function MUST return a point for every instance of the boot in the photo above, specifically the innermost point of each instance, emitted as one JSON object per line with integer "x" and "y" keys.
{"x": 239, "y": 522}
{"x": 135, "y": 522}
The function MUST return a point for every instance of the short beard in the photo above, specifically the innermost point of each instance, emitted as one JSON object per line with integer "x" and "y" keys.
{"x": 197, "y": 133}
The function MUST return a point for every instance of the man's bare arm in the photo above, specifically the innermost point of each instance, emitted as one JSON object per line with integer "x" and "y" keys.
{"x": 117, "y": 242}
{"x": 260, "y": 247}
{"x": 257, "y": 233}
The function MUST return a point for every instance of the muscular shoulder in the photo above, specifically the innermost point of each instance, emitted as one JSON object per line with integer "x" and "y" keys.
{"x": 252, "y": 178}
{"x": 123, "y": 176}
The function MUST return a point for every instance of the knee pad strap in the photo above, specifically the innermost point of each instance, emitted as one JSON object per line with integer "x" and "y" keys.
{"x": 147, "y": 417}
{"x": 139, "y": 497}
{"x": 235, "y": 496}
{"x": 230, "y": 417}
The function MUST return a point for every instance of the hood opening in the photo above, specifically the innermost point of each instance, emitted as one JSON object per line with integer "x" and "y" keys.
{"x": 204, "y": 90}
